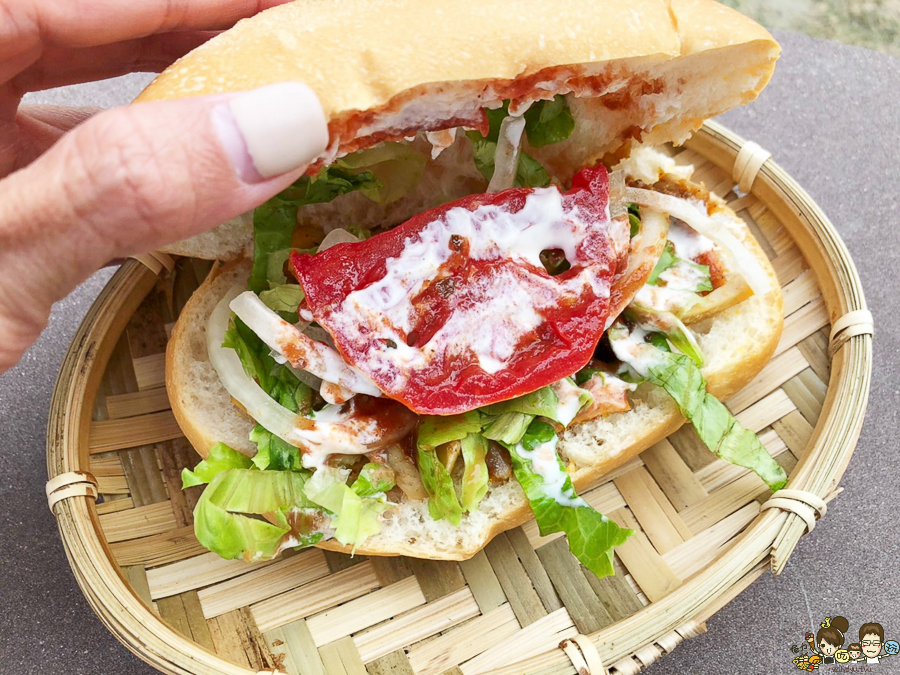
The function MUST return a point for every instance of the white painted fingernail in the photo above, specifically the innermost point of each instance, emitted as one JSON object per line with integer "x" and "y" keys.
{"x": 271, "y": 130}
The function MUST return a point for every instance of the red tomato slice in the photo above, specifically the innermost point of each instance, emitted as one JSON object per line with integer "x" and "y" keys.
{"x": 453, "y": 309}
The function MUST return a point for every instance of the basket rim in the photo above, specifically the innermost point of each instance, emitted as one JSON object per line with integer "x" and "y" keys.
{"x": 771, "y": 536}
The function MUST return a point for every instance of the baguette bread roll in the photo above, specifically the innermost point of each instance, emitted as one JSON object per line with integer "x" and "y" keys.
{"x": 736, "y": 344}
{"x": 648, "y": 70}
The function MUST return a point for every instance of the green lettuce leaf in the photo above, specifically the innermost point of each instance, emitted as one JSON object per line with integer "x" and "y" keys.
{"x": 557, "y": 508}
{"x": 273, "y": 227}
{"x": 220, "y": 458}
{"x": 541, "y": 402}
{"x": 475, "y": 473}
{"x": 586, "y": 373}
{"x": 275, "y": 275}
{"x": 442, "y": 499}
{"x": 554, "y": 261}
{"x": 681, "y": 379}
{"x": 228, "y": 517}
{"x": 511, "y": 418}
{"x": 548, "y": 122}
{"x": 705, "y": 282}
{"x": 684, "y": 268}
{"x": 572, "y": 399}
{"x": 666, "y": 260}
{"x": 283, "y": 298}
{"x": 668, "y": 325}
{"x": 276, "y": 379}
{"x": 354, "y": 517}
{"x": 529, "y": 172}
{"x": 634, "y": 219}
{"x": 508, "y": 427}
{"x": 434, "y": 431}
{"x": 273, "y": 452}
{"x": 373, "y": 479}
{"x": 249, "y": 349}
{"x": 331, "y": 182}
{"x": 275, "y": 220}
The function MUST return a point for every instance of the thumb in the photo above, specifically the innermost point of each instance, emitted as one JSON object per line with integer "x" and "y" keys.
{"x": 133, "y": 179}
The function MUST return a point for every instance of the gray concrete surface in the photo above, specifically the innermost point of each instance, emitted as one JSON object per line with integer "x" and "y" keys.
{"x": 831, "y": 117}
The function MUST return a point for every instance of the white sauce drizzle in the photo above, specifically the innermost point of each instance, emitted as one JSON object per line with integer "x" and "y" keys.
{"x": 569, "y": 397}
{"x": 633, "y": 351}
{"x": 683, "y": 276}
{"x": 666, "y": 299}
{"x": 689, "y": 244}
{"x": 545, "y": 463}
{"x": 679, "y": 292}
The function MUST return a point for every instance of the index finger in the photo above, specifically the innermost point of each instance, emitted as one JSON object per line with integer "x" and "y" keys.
{"x": 28, "y": 25}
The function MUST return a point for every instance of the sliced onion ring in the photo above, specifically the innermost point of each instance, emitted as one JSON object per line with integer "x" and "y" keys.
{"x": 336, "y": 236}
{"x": 506, "y": 156}
{"x": 316, "y": 357}
{"x": 698, "y": 219}
{"x": 335, "y": 429}
{"x": 277, "y": 419}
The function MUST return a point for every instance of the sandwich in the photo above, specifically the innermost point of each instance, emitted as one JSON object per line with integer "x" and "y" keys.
{"x": 492, "y": 289}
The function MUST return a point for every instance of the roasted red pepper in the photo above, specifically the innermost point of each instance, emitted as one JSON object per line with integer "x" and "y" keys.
{"x": 453, "y": 309}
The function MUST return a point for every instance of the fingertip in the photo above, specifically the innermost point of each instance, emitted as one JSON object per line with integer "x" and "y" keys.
{"x": 271, "y": 130}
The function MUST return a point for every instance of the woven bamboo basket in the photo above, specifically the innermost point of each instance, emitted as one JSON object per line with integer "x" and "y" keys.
{"x": 703, "y": 529}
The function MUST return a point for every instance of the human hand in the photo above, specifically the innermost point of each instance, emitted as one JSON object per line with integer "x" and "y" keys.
{"x": 80, "y": 188}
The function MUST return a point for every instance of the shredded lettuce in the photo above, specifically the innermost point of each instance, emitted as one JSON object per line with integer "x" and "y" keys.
{"x": 396, "y": 168}
{"x": 275, "y": 220}
{"x": 666, "y": 260}
{"x": 670, "y": 326}
{"x": 475, "y": 473}
{"x": 554, "y": 261}
{"x": 273, "y": 227}
{"x": 541, "y": 402}
{"x": 331, "y": 182}
{"x": 220, "y": 458}
{"x": 548, "y": 122}
{"x": 434, "y": 431}
{"x": 680, "y": 377}
{"x": 354, "y": 509}
{"x": 374, "y": 479}
{"x": 383, "y": 173}
{"x": 585, "y": 374}
{"x": 228, "y": 518}
{"x": 557, "y": 508}
{"x": 508, "y": 427}
{"x": 704, "y": 283}
{"x": 273, "y": 452}
{"x": 686, "y": 268}
{"x": 507, "y": 421}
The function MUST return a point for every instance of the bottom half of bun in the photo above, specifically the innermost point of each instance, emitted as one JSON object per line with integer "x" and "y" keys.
{"x": 736, "y": 344}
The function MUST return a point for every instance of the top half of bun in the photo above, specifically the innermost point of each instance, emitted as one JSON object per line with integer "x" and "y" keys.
{"x": 384, "y": 68}
{"x": 647, "y": 70}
